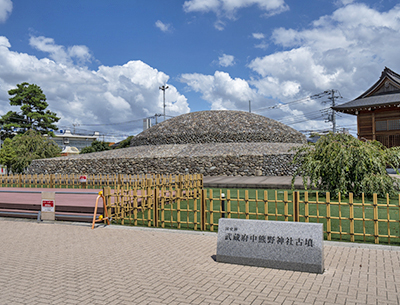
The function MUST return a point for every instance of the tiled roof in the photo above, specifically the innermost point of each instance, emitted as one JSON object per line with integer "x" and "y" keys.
{"x": 375, "y": 101}
{"x": 374, "y": 97}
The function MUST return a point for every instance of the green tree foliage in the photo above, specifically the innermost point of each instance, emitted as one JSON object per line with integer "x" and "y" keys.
{"x": 22, "y": 149}
{"x": 95, "y": 146}
{"x": 7, "y": 154}
{"x": 342, "y": 163}
{"x": 32, "y": 114}
{"x": 124, "y": 143}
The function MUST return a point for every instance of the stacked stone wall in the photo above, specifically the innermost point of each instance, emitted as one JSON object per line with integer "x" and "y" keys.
{"x": 218, "y": 126}
{"x": 261, "y": 165}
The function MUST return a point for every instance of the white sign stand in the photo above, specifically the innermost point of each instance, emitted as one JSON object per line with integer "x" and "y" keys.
{"x": 48, "y": 206}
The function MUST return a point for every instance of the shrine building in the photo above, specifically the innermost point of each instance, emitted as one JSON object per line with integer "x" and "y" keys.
{"x": 378, "y": 110}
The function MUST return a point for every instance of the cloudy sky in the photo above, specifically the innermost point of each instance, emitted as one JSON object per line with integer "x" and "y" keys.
{"x": 101, "y": 62}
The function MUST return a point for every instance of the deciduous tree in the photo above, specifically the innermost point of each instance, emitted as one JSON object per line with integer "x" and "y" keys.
{"x": 22, "y": 149}
{"x": 342, "y": 163}
{"x": 96, "y": 146}
{"x": 7, "y": 154}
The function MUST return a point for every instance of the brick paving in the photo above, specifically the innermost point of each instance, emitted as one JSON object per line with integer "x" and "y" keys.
{"x": 66, "y": 263}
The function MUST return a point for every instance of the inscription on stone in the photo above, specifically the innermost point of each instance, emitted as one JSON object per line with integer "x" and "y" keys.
{"x": 273, "y": 244}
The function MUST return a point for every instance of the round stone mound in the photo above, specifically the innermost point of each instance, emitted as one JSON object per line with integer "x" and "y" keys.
{"x": 218, "y": 126}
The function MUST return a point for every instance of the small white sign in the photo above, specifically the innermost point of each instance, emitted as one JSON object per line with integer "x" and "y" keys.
{"x": 82, "y": 179}
{"x": 48, "y": 205}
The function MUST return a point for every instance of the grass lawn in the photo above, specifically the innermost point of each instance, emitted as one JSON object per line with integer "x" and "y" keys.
{"x": 279, "y": 206}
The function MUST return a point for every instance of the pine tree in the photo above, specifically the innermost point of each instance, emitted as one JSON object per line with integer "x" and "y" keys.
{"x": 33, "y": 114}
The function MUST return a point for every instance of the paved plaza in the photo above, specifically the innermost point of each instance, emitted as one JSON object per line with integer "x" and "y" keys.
{"x": 68, "y": 263}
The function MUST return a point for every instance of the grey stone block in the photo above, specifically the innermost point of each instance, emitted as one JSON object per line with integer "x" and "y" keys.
{"x": 274, "y": 244}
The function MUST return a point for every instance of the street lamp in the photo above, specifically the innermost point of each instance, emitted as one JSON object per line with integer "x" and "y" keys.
{"x": 163, "y": 88}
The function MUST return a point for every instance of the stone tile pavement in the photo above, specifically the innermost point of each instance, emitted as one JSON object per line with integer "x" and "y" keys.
{"x": 67, "y": 263}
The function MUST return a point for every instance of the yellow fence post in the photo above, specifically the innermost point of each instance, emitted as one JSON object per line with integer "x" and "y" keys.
{"x": 203, "y": 210}
{"x": 163, "y": 194}
{"x": 306, "y": 208}
{"x": 376, "y": 224}
{"x": 178, "y": 207}
{"x": 228, "y": 203}
{"x": 149, "y": 201}
{"x": 246, "y": 200}
{"x": 351, "y": 217}
{"x": 296, "y": 209}
{"x": 155, "y": 206}
{"x": 51, "y": 181}
{"x": 211, "y": 212}
{"x": 195, "y": 211}
{"x": 328, "y": 216}
{"x": 388, "y": 216}
{"x": 107, "y": 197}
{"x": 265, "y": 205}
{"x": 135, "y": 206}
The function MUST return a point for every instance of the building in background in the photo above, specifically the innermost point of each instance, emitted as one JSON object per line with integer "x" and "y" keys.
{"x": 66, "y": 138}
{"x": 378, "y": 110}
{"x": 70, "y": 151}
{"x": 146, "y": 123}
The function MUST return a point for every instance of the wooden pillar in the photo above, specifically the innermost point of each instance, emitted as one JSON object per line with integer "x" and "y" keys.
{"x": 373, "y": 126}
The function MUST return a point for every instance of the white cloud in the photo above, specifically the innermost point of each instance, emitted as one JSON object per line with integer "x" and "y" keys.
{"x": 108, "y": 95}
{"x": 344, "y": 2}
{"x": 4, "y": 42}
{"x": 221, "y": 91}
{"x": 224, "y": 92}
{"x": 228, "y": 8}
{"x": 6, "y": 7}
{"x": 163, "y": 27}
{"x": 258, "y": 36}
{"x": 345, "y": 50}
{"x": 81, "y": 53}
{"x": 60, "y": 54}
{"x": 201, "y": 6}
{"x": 226, "y": 60}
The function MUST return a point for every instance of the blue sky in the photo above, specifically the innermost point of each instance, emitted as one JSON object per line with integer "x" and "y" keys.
{"x": 101, "y": 63}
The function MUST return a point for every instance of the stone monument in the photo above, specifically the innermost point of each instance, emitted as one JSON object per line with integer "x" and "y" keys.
{"x": 274, "y": 244}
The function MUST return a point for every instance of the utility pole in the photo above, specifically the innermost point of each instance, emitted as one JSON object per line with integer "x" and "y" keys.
{"x": 250, "y": 106}
{"x": 157, "y": 115}
{"x": 163, "y": 88}
{"x": 75, "y": 126}
{"x": 332, "y": 115}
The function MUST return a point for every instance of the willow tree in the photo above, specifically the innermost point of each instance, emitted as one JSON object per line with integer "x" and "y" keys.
{"x": 340, "y": 163}
{"x": 19, "y": 152}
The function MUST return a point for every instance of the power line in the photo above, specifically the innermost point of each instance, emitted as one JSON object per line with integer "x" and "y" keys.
{"x": 305, "y": 117}
{"x": 109, "y": 124}
{"x": 314, "y": 96}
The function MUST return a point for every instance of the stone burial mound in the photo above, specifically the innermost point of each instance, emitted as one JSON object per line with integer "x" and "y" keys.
{"x": 219, "y": 142}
